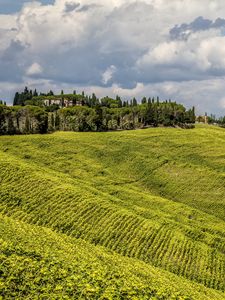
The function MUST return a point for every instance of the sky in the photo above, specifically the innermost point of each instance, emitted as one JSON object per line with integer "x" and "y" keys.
{"x": 172, "y": 49}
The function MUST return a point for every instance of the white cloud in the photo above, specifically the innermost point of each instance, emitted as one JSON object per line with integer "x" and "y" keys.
{"x": 213, "y": 50}
{"x": 108, "y": 74}
{"x": 34, "y": 69}
{"x": 92, "y": 44}
{"x": 7, "y": 31}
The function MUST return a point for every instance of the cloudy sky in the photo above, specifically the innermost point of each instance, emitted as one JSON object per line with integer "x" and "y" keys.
{"x": 174, "y": 49}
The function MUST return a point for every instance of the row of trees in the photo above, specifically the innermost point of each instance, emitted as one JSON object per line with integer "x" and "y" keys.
{"x": 212, "y": 119}
{"x": 88, "y": 113}
{"x": 27, "y": 95}
{"x": 30, "y": 97}
{"x": 124, "y": 118}
{"x": 23, "y": 120}
{"x": 34, "y": 119}
{"x": 2, "y": 102}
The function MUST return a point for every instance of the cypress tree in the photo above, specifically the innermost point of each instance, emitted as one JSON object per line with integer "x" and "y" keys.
{"x": 134, "y": 102}
{"x": 35, "y": 94}
{"x": 144, "y": 100}
{"x": 16, "y": 99}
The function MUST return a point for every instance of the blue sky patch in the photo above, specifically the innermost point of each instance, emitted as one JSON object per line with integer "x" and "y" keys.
{"x": 12, "y": 6}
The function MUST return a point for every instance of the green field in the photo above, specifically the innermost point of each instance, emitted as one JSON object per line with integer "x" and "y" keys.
{"x": 116, "y": 215}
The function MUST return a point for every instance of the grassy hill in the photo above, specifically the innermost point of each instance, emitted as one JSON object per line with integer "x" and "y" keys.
{"x": 123, "y": 215}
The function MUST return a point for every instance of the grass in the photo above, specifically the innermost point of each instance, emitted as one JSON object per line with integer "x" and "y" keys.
{"x": 153, "y": 199}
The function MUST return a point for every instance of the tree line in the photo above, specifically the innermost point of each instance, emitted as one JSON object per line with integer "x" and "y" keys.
{"x": 212, "y": 119}
{"x": 31, "y": 114}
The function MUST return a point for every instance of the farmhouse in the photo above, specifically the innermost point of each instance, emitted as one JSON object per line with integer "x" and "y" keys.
{"x": 62, "y": 102}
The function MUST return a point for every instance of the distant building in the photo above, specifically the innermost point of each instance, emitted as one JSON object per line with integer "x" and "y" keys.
{"x": 202, "y": 119}
{"x": 49, "y": 102}
{"x": 62, "y": 102}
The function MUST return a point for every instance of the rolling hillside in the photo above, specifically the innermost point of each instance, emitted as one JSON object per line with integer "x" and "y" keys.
{"x": 123, "y": 215}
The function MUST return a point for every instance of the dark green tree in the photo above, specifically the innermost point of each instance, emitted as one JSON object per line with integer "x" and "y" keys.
{"x": 16, "y": 99}
{"x": 134, "y": 101}
{"x": 144, "y": 100}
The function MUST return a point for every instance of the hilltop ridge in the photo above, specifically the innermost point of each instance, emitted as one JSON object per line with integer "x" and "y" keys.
{"x": 33, "y": 113}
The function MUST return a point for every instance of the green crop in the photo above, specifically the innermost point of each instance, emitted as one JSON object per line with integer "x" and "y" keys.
{"x": 115, "y": 215}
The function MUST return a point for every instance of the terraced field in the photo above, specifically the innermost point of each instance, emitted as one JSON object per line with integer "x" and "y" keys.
{"x": 132, "y": 215}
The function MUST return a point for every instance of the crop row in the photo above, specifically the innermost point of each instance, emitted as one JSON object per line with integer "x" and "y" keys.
{"x": 72, "y": 210}
{"x": 37, "y": 263}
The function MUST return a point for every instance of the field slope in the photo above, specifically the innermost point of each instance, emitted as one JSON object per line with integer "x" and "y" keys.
{"x": 123, "y": 215}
